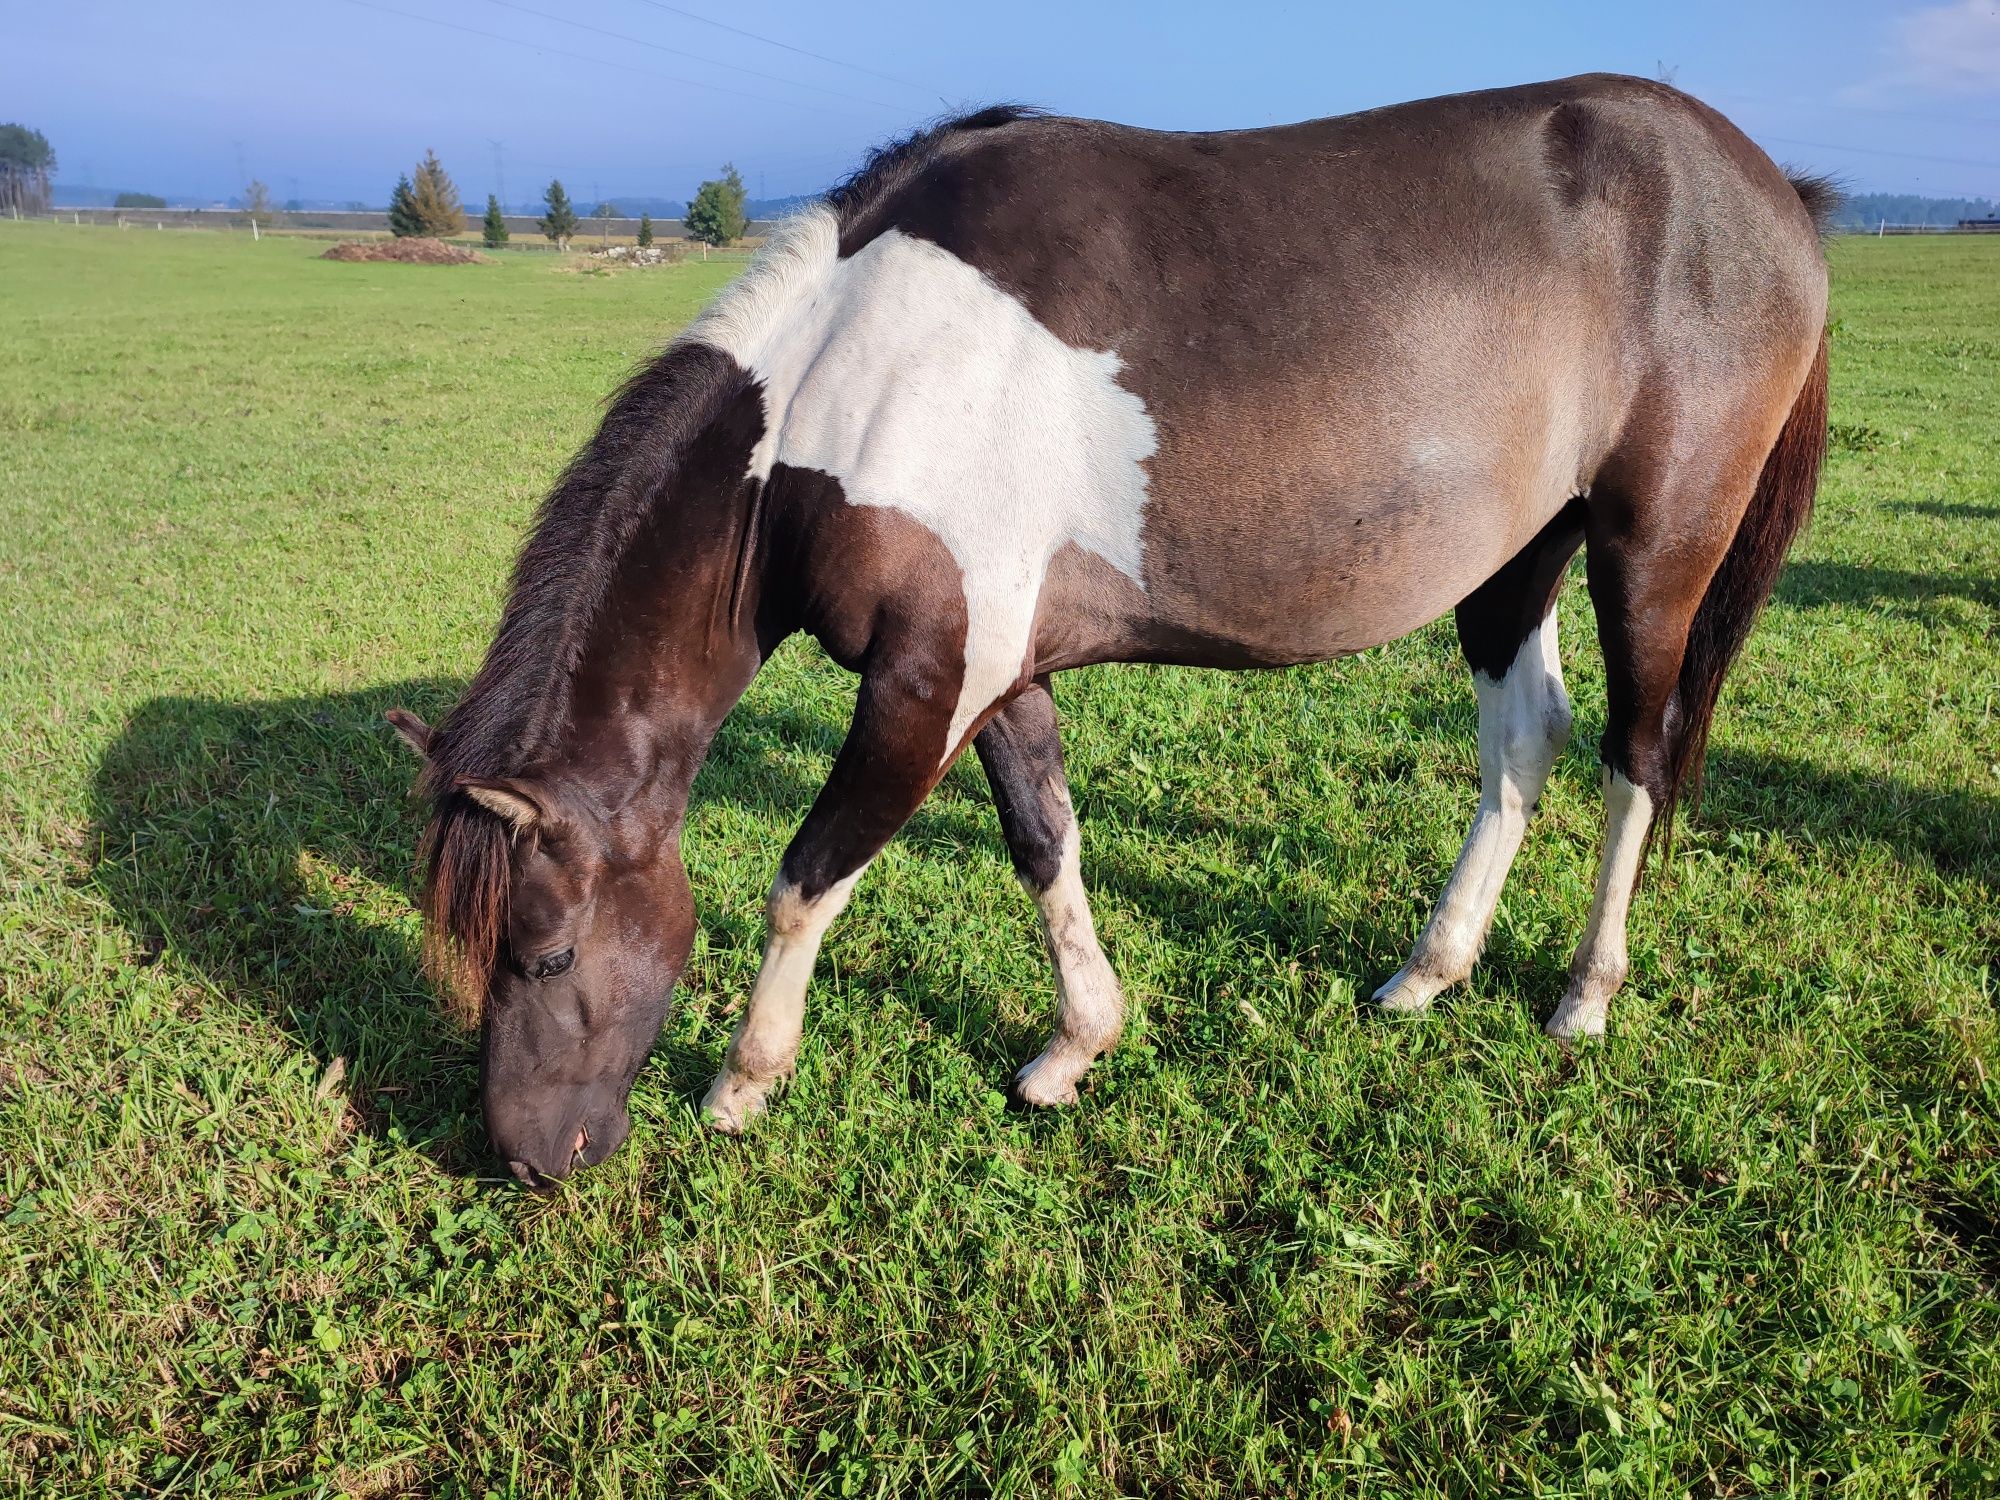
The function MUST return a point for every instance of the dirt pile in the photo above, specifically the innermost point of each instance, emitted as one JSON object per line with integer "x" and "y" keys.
{"x": 414, "y": 252}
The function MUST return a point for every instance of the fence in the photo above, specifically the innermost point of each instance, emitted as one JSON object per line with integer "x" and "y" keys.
{"x": 355, "y": 221}
{"x": 1964, "y": 226}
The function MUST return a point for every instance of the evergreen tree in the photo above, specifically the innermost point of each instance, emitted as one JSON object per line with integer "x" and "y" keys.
{"x": 495, "y": 227}
{"x": 645, "y": 230}
{"x": 436, "y": 199}
{"x": 403, "y": 218}
{"x": 257, "y": 204}
{"x": 26, "y": 161}
{"x": 716, "y": 216}
{"x": 559, "y": 223}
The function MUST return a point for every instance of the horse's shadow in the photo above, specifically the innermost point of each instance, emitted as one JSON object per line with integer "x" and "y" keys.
{"x": 268, "y": 845}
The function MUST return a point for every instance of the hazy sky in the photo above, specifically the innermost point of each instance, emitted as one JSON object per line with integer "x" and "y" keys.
{"x": 332, "y": 98}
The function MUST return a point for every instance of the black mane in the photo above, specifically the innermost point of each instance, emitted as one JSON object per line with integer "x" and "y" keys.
{"x": 888, "y": 168}
{"x": 516, "y": 705}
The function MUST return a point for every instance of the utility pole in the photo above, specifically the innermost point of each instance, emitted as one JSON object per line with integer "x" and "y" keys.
{"x": 499, "y": 170}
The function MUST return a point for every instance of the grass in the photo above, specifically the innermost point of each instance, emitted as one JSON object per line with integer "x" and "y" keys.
{"x": 1749, "y": 1247}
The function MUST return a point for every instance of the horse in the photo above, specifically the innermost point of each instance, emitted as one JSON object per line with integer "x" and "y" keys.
{"x": 1027, "y": 394}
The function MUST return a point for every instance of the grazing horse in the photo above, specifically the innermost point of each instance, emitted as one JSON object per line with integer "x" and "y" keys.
{"x": 1030, "y": 393}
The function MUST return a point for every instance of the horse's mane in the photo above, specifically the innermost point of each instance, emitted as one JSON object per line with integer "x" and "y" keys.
{"x": 515, "y": 709}
{"x": 889, "y": 168}
{"x": 514, "y": 712}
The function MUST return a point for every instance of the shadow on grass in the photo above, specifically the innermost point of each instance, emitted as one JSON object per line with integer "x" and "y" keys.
{"x": 1811, "y": 585}
{"x": 268, "y": 844}
{"x": 1946, "y": 510}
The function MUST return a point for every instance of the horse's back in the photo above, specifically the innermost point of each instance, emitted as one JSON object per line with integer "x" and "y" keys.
{"x": 1367, "y": 357}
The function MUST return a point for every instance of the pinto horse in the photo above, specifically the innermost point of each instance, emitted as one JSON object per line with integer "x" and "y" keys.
{"x": 1027, "y": 394}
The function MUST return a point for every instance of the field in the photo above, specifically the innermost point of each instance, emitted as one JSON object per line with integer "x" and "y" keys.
{"x": 250, "y": 1240}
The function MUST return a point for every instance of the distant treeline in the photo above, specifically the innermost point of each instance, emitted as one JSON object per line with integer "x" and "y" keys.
{"x": 1866, "y": 210}
{"x": 1859, "y": 211}
{"x": 71, "y": 196}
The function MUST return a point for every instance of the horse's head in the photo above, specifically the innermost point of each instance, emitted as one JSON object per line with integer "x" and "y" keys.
{"x": 564, "y": 928}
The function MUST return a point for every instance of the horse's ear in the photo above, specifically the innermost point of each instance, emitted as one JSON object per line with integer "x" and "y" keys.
{"x": 414, "y": 731}
{"x": 513, "y": 800}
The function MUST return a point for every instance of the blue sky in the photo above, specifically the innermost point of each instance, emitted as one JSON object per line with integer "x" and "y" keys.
{"x": 332, "y": 98}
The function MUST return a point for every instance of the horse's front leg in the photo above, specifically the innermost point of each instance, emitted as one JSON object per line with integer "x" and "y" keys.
{"x": 886, "y": 767}
{"x": 1022, "y": 753}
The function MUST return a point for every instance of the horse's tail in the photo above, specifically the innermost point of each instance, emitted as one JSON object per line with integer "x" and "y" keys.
{"x": 1736, "y": 594}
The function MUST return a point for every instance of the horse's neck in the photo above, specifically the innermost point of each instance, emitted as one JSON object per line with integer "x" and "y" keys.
{"x": 671, "y": 654}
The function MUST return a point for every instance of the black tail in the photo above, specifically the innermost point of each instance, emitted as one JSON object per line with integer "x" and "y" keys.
{"x": 1736, "y": 594}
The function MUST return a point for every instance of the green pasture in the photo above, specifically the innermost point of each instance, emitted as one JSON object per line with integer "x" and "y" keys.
{"x": 250, "y": 1238}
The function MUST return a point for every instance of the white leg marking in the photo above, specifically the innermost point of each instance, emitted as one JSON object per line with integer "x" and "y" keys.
{"x": 1524, "y": 721}
{"x": 765, "y": 1047}
{"x": 1600, "y": 963}
{"x": 1090, "y": 1007}
{"x": 926, "y": 387}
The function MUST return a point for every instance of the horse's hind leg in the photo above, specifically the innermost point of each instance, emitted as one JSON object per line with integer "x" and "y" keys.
{"x": 1507, "y": 629}
{"x": 1022, "y": 753}
{"x": 1646, "y": 582}
{"x": 1644, "y": 601}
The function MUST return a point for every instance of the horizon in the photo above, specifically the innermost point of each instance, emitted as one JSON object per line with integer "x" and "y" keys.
{"x": 328, "y": 106}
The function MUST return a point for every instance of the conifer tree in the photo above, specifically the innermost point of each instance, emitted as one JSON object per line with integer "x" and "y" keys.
{"x": 495, "y": 227}
{"x": 257, "y": 204}
{"x": 403, "y": 218}
{"x": 645, "y": 230}
{"x": 559, "y": 223}
{"x": 716, "y": 215}
{"x": 436, "y": 198}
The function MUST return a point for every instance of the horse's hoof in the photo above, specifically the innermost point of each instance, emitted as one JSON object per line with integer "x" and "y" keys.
{"x": 1407, "y": 994}
{"x": 732, "y": 1103}
{"x": 1576, "y": 1021}
{"x": 1040, "y": 1086}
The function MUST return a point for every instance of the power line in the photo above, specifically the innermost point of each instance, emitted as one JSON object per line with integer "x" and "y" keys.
{"x": 1927, "y": 117}
{"x": 771, "y": 41}
{"x": 1953, "y": 161}
{"x": 637, "y": 41}
{"x": 597, "y": 62}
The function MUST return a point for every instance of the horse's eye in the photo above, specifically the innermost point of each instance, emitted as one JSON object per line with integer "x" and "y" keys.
{"x": 555, "y": 963}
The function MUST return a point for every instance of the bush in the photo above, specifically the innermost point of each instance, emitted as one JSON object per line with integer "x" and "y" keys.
{"x": 495, "y": 228}
{"x": 139, "y": 200}
{"x": 645, "y": 230}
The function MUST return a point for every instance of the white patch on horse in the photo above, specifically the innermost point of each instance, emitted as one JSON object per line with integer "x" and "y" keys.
{"x": 1600, "y": 964}
{"x": 765, "y": 1047}
{"x": 1524, "y": 722}
{"x": 1090, "y": 1007}
{"x": 924, "y": 387}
